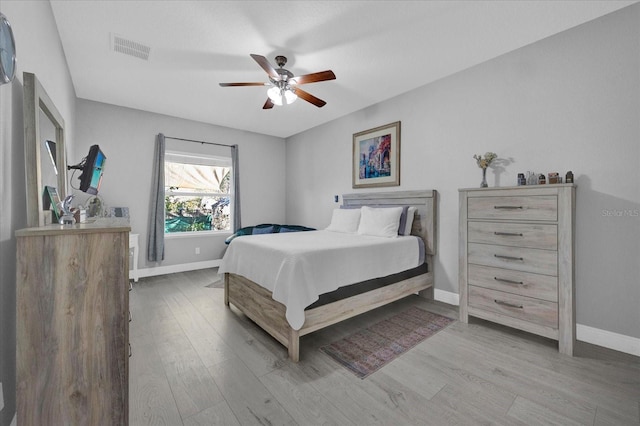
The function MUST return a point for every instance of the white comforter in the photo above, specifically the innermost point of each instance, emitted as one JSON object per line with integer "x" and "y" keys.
{"x": 297, "y": 267}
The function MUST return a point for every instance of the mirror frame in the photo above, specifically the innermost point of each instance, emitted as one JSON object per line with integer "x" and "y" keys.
{"x": 36, "y": 98}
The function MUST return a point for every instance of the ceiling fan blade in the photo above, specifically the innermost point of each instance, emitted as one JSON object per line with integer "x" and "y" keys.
{"x": 264, "y": 63}
{"x": 314, "y": 77}
{"x": 268, "y": 104}
{"x": 242, "y": 84}
{"x": 309, "y": 97}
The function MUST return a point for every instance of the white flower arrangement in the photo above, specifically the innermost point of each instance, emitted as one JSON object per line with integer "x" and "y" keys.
{"x": 484, "y": 162}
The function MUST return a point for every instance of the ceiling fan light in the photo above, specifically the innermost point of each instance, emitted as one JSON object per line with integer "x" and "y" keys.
{"x": 290, "y": 97}
{"x": 281, "y": 96}
{"x": 274, "y": 94}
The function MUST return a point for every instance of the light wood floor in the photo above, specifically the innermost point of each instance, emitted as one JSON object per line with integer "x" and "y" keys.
{"x": 196, "y": 362}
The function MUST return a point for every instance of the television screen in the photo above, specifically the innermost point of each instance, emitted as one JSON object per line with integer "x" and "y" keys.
{"x": 92, "y": 168}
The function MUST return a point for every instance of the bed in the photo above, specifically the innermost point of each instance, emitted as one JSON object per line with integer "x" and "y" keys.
{"x": 256, "y": 301}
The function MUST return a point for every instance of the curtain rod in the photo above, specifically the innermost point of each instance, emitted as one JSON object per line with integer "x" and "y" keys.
{"x": 200, "y": 142}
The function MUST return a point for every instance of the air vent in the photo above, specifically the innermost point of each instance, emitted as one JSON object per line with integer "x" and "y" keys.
{"x": 129, "y": 47}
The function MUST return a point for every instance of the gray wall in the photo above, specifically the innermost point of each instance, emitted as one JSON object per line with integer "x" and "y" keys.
{"x": 127, "y": 137}
{"x": 569, "y": 102}
{"x": 39, "y": 51}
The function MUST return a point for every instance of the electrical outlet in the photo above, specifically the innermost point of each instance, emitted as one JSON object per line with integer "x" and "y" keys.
{"x": 197, "y": 250}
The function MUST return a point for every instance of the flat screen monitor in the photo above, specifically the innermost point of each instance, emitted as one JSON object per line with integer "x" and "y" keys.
{"x": 92, "y": 169}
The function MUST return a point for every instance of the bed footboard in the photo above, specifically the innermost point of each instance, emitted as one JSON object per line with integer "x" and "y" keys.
{"x": 257, "y": 304}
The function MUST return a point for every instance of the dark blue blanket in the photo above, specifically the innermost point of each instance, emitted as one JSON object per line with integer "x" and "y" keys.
{"x": 267, "y": 228}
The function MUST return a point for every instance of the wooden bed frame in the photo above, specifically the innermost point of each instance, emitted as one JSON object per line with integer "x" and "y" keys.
{"x": 257, "y": 304}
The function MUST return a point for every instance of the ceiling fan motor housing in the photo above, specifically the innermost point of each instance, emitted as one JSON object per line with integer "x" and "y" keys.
{"x": 284, "y": 74}
{"x": 283, "y": 82}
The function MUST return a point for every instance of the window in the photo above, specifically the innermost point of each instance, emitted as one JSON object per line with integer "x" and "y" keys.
{"x": 197, "y": 193}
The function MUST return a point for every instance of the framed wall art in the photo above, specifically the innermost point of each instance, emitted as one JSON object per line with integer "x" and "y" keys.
{"x": 376, "y": 157}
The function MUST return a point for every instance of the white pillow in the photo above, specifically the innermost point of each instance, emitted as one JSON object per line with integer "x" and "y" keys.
{"x": 411, "y": 212}
{"x": 344, "y": 220}
{"x": 379, "y": 222}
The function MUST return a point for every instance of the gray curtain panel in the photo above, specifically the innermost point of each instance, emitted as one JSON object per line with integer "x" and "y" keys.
{"x": 155, "y": 243}
{"x": 235, "y": 162}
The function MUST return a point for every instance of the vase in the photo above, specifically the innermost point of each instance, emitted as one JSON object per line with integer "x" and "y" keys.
{"x": 484, "y": 184}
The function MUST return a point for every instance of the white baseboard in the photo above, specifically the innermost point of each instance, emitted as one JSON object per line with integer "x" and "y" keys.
{"x": 172, "y": 269}
{"x": 595, "y": 336}
{"x": 608, "y": 339}
{"x": 446, "y": 297}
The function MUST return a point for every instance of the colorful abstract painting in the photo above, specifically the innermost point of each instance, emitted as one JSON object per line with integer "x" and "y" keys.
{"x": 376, "y": 157}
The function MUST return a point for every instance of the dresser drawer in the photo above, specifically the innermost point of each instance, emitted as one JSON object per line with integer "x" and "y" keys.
{"x": 524, "y": 308}
{"x": 541, "y": 207}
{"x": 515, "y": 258}
{"x": 517, "y": 282}
{"x": 514, "y": 234}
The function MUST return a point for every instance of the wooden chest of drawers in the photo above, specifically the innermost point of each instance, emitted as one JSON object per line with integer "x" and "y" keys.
{"x": 516, "y": 259}
{"x": 72, "y": 333}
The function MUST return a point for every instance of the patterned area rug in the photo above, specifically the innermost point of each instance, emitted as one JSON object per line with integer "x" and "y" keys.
{"x": 367, "y": 351}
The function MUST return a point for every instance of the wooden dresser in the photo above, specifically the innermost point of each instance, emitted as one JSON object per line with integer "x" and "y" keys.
{"x": 517, "y": 259}
{"x": 72, "y": 325}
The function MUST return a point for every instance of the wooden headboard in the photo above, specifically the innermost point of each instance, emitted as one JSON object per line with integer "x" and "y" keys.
{"x": 424, "y": 222}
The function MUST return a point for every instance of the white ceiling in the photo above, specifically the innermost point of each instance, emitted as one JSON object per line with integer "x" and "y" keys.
{"x": 377, "y": 49}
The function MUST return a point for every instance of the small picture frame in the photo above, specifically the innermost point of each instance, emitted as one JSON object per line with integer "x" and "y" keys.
{"x": 51, "y": 201}
{"x": 376, "y": 157}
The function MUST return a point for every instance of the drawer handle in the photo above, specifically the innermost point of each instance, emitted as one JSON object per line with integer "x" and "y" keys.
{"x": 508, "y": 234}
{"x": 130, "y": 351}
{"x": 499, "y": 256}
{"x": 510, "y": 305}
{"x": 508, "y": 281}
{"x": 508, "y": 207}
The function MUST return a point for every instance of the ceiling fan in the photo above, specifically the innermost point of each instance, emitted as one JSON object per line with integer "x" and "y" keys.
{"x": 284, "y": 85}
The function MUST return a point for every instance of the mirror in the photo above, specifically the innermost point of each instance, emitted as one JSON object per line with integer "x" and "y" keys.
{"x": 44, "y": 147}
